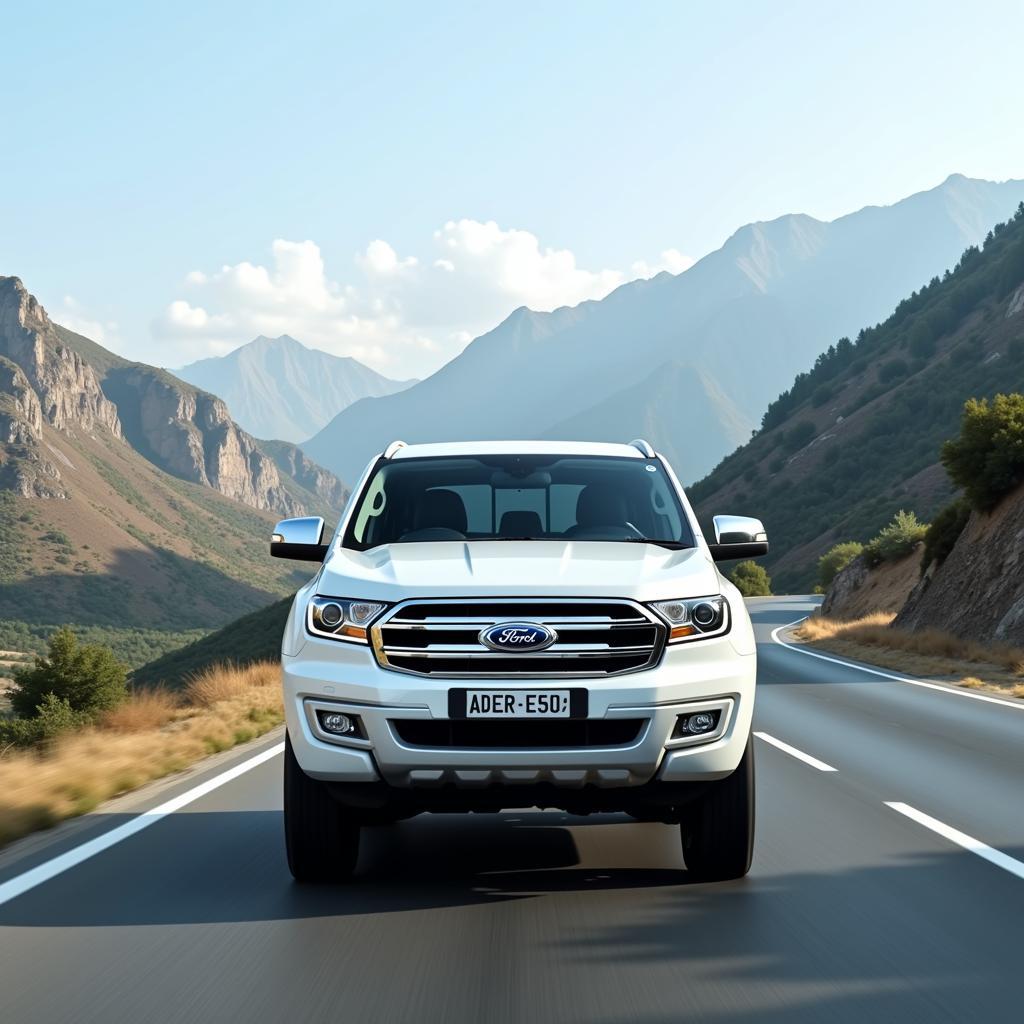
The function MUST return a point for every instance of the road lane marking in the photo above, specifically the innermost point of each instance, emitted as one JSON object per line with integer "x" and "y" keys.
{"x": 969, "y": 843}
{"x": 22, "y": 883}
{"x": 793, "y": 752}
{"x": 889, "y": 675}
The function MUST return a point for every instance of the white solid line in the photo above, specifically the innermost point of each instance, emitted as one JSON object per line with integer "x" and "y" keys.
{"x": 793, "y": 752}
{"x": 993, "y": 856}
{"x": 14, "y": 887}
{"x": 889, "y": 675}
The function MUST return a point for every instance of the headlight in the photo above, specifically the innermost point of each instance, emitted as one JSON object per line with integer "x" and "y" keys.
{"x": 694, "y": 618}
{"x": 341, "y": 619}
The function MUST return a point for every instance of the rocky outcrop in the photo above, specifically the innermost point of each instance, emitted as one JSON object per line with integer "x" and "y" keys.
{"x": 191, "y": 434}
{"x": 21, "y": 417}
{"x": 978, "y": 591}
{"x": 67, "y": 388}
{"x": 293, "y": 462}
{"x": 859, "y": 590}
{"x": 51, "y": 376}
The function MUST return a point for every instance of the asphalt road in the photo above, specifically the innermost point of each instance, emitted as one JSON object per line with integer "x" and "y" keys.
{"x": 854, "y": 911}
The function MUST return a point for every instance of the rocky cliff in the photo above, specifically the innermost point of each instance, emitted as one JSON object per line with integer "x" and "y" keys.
{"x": 190, "y": 433}
{"x": 978, "y": 591}
{"x": 49, "y": 375}
{"x": 859, "y": 590}
{"x": 67, "y": 387}
{"x": 295, "y": 464}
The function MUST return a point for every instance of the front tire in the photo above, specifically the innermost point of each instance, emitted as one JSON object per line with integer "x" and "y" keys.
{"x": 718, "y": 829}
{"x": 321, "y": 839}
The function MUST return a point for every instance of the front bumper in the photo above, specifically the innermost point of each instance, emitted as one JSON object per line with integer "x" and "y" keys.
{"x": 346, "y": 677}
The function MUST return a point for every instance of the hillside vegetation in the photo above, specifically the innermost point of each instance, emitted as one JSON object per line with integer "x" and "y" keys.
{"x": 858, "y": 436}
{"x": 252, "y": 638}
{"x": 132, "y": 507}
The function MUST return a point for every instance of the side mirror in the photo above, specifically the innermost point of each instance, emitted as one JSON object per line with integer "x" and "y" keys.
{"x": 300, "y": 539}
{"x": 738, "y": 537}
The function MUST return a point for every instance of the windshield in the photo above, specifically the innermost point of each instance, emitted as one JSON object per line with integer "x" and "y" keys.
{"x": 518, "y": 497}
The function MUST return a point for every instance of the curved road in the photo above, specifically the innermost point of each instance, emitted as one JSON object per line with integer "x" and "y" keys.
{"x": 889, "y": 888}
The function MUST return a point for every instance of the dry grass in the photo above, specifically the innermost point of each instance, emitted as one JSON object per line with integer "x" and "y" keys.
{"x": 928, "y": 652}
{"x": 147, "y": 709}
{"x": 147, "y": 738}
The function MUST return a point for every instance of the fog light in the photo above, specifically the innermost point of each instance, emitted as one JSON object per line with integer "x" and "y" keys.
{"x": 337, "y": 723}
{"x": 696, "y": 724}
{"x": 703, "y": 721}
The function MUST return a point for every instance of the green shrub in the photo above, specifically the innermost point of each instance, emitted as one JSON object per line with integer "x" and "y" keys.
{"x": 799, "y": 435}
{"x": 893, "y": 370}
{"x": 835, "y": 560}
{"x": 87, "y": 676}
{"x": 751, "y": 580}
{"x": 896, "y": 540}
{"x": 53, "y": 716}
{"x": 987, "y": 459}
{"x": 944, "y": 531}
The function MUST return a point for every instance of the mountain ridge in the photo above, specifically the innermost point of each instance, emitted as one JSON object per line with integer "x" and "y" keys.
{"x": 857, "y": 437}
{"x": 280, "y": 388}
{"x": 746, "y": 317}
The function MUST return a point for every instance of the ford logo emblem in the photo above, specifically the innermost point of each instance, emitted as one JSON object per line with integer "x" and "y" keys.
{"x": 517, "y": 636}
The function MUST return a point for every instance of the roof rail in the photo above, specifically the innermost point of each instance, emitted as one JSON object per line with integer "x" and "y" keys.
{"x": 392, "y": 448}
{"x": 643, "y": 446}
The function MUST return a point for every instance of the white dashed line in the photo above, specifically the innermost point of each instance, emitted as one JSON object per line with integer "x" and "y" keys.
{"x": 969, "y": 843}
{"x": 793, "y": 752}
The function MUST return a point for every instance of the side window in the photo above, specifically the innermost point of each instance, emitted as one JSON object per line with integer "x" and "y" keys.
{"x": 665, "y": 511}
{"x": 373, "y": 506}
{"x": 563, "y": 506}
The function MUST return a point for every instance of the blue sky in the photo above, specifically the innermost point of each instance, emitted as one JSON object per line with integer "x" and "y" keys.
{"x": 154, "y": 155}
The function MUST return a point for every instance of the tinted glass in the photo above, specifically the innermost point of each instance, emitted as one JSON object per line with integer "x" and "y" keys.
{"x": 517, "y": 497}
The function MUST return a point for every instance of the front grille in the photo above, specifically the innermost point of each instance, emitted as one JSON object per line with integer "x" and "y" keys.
{"x": 499, "y": 735}
{"x": 595, "y": 638}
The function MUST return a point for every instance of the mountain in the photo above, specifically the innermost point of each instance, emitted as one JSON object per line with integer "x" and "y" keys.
{"x": 858, "y": 436}
{"x": 733, "y": 330}
{"x": 276, "y": 387}
{"x": 130, "y": 502}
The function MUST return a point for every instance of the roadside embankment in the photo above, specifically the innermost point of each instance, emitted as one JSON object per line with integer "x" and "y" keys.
{"x": 151, "y": 735}
{"x": 927, "y": 653}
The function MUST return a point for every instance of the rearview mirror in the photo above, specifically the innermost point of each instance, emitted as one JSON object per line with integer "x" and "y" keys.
{"x": 300, "y": 539}
{"x": 738, "y": 537}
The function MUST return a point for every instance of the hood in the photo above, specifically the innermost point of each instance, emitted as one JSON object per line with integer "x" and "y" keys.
{"x": 396, "y": 572}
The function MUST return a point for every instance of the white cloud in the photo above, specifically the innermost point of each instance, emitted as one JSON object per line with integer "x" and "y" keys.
{"x": 405, "y": 315}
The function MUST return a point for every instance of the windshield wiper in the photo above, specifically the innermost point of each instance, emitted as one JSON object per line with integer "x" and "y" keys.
{"x": 672, "y": 545}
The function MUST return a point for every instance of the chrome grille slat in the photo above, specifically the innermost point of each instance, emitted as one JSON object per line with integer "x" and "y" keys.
{"x": 560, "y": 624}
{"x": 465, "y": 651}
{"x": 430, "y": 637}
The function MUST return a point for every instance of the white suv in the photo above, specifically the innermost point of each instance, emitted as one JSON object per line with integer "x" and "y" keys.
{"x": 514, "y": 624}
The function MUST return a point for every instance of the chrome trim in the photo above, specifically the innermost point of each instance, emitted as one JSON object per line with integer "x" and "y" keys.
{"x": 395, "y": 446}
{"x": 566, "y": 652}
{"x": 739, "y": 530}
{"x": 311, "y": 706}
{"x": 300, "y": 530}
{"x": 725, "y": 705}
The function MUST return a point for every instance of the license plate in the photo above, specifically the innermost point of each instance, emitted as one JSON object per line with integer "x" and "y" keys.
{"x": 517, "y": 703}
